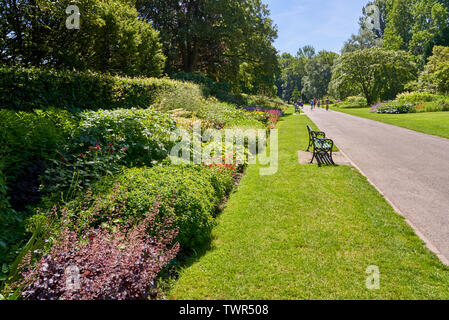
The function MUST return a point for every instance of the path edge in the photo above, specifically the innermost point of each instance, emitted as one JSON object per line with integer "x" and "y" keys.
{"x": 426, "y": 241}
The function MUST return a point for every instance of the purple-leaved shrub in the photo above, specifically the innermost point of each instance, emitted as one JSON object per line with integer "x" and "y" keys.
{"x": 111, "y": 261}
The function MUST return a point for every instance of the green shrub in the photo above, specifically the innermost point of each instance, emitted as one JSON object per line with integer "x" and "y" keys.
{"x": 417, "y": 97}
{"x": 396, "y": 108}
{"x": 27, "y": 141}
{"x": 11, "y": 230}
{"x": 353, "y": 102}
{"x": 103, "y": 143}
{"x": 357, "y": 100}
{"x": 424, "y": 101}
{"x": 194, "y": 192}
{"x": 28, "y": 89}
{"x": 434, "y": 106}
{"x": 228, "y": 115}
{"x": 216, "y": 89}
{"x": 264, "y": 102}
{"x": 72, "y": 174}
{"x": 144, "y": 133}
{"x": 185, "y": 96}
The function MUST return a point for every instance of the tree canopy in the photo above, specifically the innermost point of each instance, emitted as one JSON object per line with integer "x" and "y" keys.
{"x": 225, "y": 40}
{"x": 375, "y": 72}
{"x": 436, "y": 73}
{"x": 110, "y": 37}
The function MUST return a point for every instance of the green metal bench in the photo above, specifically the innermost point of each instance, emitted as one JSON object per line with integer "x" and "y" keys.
{"x": 314, "y": 134}
{"x": 322, "y": 147}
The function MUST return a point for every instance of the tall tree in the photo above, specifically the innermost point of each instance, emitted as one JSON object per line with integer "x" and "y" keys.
{"x": 290, "y": 78}
{"x": 376, "y": 73}
{"x": 398, "y": 31}
{"x": 436, "y": 73}
{"x": 215, "y": 37}
{"x": 318, "y": 72}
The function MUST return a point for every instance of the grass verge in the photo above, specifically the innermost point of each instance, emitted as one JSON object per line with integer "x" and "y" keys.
{"x": 435, "y": 123}
{"x": 310, "y": 233}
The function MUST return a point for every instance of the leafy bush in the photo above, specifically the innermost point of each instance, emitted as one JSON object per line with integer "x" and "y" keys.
{"x": 417, "y": 97}
{"x": 145, "y": 134}
{"x": 393, "y": 108}
{"x": 220, "y": 90}
{"x": 185, "y": 96}
{"x": 27, "y": 141}
{"x": 264, "y": 102}
{"x": 110, "y": 261}
{"x": 434, "y": 106}
{"x": 227, "y": 114}
{"x": 424, "y": 101}
{"x": 353, "y": 102}
{"x": 193, "y": 192}
{"x": 11, "y": 230}
{"x": 72, "y": 174}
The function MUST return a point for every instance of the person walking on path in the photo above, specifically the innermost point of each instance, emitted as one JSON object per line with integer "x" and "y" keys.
{"x": 319, "y": 103}
{"x": 327, "y": 103}
{"x": 311, "y": 104}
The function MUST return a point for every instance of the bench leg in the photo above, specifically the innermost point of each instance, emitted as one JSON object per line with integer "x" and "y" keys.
{"x": 313, "y": 157}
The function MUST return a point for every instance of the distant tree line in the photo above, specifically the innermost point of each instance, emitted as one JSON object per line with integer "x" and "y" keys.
{"x": 401, "y": 45}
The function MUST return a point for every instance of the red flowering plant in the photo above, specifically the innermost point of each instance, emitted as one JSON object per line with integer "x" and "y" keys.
{"x": 233, "y": 163}
{"x": 102, "y": 262}
{"x": 71, "y": 174}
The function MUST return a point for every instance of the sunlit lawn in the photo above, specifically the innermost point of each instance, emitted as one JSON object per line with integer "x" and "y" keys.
{"x": 310, "y": 233}
{"x": 436, "y": 123}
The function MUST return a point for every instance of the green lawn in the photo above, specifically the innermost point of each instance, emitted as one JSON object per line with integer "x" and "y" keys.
{"x": 436, "y": 123}
{"x": 310, "y": 233}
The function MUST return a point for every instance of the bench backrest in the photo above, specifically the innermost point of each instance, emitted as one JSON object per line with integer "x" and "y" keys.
{"x": 309, "y": 129}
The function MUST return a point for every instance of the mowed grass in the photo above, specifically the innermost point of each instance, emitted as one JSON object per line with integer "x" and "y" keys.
{"x": 310, "y": 233}
{"x": 435, "y": 123}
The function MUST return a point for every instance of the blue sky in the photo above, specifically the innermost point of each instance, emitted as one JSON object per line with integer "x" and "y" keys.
{"x": 324, "y": 24}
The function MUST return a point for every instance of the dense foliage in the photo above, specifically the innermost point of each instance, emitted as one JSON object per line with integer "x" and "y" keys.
{"x": 110, "y": 37}
{"x": 192, "y": 193}
{"x": 225, "y": 40}
{"x": 375, "y": 72}
{"x": 27, "y": 141}
{"x": 28, "y": 89}
{"x": 436, "y": 73}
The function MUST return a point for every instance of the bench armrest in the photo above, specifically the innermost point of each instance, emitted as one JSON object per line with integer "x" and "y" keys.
{"x": 317, "y": 134}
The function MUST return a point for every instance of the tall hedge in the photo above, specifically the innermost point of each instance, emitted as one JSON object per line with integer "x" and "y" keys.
{"x": 26, "y": 89}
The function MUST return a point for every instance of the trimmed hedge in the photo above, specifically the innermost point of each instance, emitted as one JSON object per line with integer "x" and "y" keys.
{"x": 193, "y": 193}
{"x": 28, "y": 89}
{"x": 220, "y": 90}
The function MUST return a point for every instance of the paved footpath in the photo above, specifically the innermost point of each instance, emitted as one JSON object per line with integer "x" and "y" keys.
{"x": 410, "y": 168}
